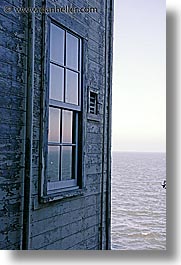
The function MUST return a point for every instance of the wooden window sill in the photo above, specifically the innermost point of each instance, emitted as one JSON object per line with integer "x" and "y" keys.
{"x": 62, "y": 194}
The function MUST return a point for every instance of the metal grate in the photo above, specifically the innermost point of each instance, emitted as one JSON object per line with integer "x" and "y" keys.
{"x": 93, "y": 103}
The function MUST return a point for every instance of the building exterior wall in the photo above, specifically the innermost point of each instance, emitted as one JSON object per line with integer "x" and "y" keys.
{"x": 12, "y": 117}
{"x": 81, "y": 221}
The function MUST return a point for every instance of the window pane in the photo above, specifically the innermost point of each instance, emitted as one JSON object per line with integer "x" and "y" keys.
{"x": 54, "y": 125}
{"x": 53, "y": 163}
{"x": 72, "y": 51}
{"x": 56, "y": 82}
{"x": 67, "y": 126}
{"x": 71, "y": 87}
{"x": 66, "y": 163}
{"x": 56, "y": 44}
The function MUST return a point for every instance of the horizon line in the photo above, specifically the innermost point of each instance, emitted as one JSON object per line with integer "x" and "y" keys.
{"x": 133, "y": 151}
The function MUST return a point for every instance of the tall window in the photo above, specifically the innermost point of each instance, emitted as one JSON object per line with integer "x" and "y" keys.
{"x": 64, "y": 109}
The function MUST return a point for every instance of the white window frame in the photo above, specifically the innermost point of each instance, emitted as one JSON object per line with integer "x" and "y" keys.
{"x": 72, "y": 184}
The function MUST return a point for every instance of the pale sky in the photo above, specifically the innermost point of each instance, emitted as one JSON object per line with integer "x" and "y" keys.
{"x": 139, "y": 76}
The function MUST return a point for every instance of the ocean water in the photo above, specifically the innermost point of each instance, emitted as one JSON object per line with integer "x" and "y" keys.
{"x": 138, "y": 201}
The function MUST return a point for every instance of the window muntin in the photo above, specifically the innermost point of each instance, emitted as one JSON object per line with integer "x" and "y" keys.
{"x": 64, "y": 108}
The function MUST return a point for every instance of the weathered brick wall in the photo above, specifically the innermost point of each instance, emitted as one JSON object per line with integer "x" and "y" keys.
{"x": 12, "y": 122}
{"x": 73, "y": 223}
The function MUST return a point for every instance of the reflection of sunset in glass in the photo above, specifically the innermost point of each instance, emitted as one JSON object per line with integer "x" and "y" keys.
{"x": 54, "y": 125}
{"x": 67, "y": 126}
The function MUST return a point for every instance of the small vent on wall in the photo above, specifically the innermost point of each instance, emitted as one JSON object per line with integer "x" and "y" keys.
{"x": 93, "y": 103}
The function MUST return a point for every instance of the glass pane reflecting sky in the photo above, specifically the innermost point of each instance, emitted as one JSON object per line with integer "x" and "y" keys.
{"x": 72, "y": 51}
{"x": 66, "y": 173}
{"x": 67, "y": 119}
{"x": 56, "y": 44}
{"x": 56, "y": 82}
{"x": 54, "y": 125}
{"x": 71, "y": 87}
{"x": 53, "y": 163}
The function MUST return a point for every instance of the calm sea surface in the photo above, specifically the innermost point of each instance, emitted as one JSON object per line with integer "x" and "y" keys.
{"x": 138, "y": 201}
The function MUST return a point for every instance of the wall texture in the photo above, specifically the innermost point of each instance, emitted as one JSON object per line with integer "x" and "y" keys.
{"x": 12, "y": 123}
{"x": 82, "y": 221}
